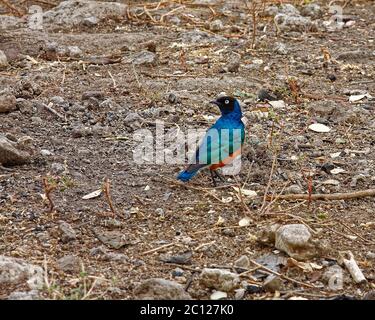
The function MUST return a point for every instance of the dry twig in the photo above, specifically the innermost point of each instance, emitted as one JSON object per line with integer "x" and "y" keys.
{"x": 49, "y": 108}
{"x": 331, "y": 196}
{"x": 281, "y": 275}
{"x": 12, "y": 8}
{"x": 159, "y": 248}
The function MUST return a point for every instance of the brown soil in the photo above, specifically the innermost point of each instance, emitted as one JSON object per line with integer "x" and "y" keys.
{"x": 169, "y": 212}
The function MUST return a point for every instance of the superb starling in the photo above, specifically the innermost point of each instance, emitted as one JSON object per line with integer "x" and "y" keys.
{"x": 222, "y": 142}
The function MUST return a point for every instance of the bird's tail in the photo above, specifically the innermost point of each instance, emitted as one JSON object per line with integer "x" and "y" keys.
{"x": 190, "y": 172}
{"x": 186, "y": 176}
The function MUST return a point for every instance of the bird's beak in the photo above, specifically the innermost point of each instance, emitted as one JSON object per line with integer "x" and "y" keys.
{"x": 215, "y": 102}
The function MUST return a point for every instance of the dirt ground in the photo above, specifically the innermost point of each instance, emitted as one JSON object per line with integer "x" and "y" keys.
{"x": 189, "y": 60}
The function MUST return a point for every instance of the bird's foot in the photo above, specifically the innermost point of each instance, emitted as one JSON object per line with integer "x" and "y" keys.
{"x": 213, "y": 178}
{"x": 216, "y": 174}
{"x": 219, "y": 176}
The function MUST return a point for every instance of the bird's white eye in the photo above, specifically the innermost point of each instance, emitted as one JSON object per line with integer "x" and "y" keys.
{"x": 227, "y": 101}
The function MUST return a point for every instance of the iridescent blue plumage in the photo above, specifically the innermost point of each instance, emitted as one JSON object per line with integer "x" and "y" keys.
{"x": 222, "y": 142}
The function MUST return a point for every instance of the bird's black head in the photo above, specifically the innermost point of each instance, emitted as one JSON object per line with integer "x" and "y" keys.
{"x": 226, "y": 104}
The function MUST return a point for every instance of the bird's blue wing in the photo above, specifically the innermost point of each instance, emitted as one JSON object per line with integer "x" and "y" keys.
{"x": 218, "y": 144}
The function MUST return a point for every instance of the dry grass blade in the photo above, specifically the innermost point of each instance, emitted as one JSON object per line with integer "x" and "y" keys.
{"x": 107, "y": 193}
{"x": 49, "y": 187}
{"x": 268, "y": 185}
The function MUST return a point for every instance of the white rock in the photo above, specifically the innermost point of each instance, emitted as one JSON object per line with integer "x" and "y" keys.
{"x": 92, "y": 195}
{"x": 10, "y": 22}
{"x": 24, "y": 295}
{"x": 280, "y": 48}
{"x": 90, "y": 21}
{"x": 278, "y": 104}
{"x": 293, "y": 23}
{"x": 318, "y": 127}
{"x": 216, "y": 25}
{"x": 74, "y": 52}
{"x": 293, "y": 189}
{"x": 3, "y": 60}
{"x": 248, "y": 193}
{"x": 335, "y": 155}
{"x": 239, "y": 293}
{"x": 16, "y": 271}
{"x": 331, "y": 182}
{"x": 219, "y": 279}
{"x": 73, "y": 12}
{"x": 295, "y": 240}
{"x": 218, "y": 295}
{"x": 144, "y": 58}
{"x": 337, "y": 171}
{"x": 45, "y": 152}
{"x": 10, "y": 154}
{"x": 359, "y": 97}
{"x": 160, "y": 289}
{"x": 334, "y": 276}
{"x": 244, "y": 222}
{"x": 242, "y": 262}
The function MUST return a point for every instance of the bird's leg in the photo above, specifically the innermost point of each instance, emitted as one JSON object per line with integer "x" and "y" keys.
{"x": 219, "y": 176}
{"x": 213, "y": 177}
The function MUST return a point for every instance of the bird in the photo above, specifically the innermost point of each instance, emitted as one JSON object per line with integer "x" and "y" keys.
{"x": 222, "y": 142}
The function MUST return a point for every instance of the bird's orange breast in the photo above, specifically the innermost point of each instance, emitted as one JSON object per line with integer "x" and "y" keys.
{"x": 226, "y": 161}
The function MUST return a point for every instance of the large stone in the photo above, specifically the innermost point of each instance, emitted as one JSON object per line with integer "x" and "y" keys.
{"x": 24, "y": 295}
{"x": 198, "y": 36}
{"x": 242, "y": 262}
{"x": 288, "y": 23}
{"x": 323, "y": 108}
{"x": 219, "y": 279}
{"x": 296, "y": 241}
{"x": 74, "y": 12}
{"x": 293, "y": 189}
{"x": 160, "y": 289}
{"x": 112, "y": 239}
{"x": 10, "y": 22}
{"x": 11, "y": 153}
{"x": 8, "y": 102}
{"x": 69, "y": 263}
{"x": 144, "y": 58}
{"x": 67, "y": 232}
{"x": 354, "y": 55}
{"x": 17, "y": 271}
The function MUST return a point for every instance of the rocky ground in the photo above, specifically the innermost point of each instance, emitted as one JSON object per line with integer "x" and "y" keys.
{"x": 74, "y": 93}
